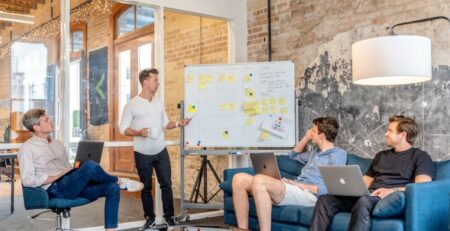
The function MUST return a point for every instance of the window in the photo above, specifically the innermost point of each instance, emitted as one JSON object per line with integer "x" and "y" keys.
{"x": 134, "y": 18}
{"x": 77, "y": 41}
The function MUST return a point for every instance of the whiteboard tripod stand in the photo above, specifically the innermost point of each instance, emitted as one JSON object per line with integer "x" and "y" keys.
{"x": 203, "y": 175}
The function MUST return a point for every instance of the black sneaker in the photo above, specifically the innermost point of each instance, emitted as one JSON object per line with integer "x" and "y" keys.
{"x": 148, "y": 224}
{"x": 171, "y": 221}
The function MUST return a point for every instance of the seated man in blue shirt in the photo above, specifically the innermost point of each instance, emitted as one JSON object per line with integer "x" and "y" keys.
{"x": 301, "y": 191}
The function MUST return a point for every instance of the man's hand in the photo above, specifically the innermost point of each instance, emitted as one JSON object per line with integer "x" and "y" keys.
{"x": 52, "y": 179}
{"x": 309, "y": 134}
{"x": 144, "y": 132}
{"x": 185, "y": 122}
{"x": 382, "y": 192}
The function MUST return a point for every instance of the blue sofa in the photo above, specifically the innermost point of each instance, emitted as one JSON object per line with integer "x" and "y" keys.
{"x": 427, "y": 204}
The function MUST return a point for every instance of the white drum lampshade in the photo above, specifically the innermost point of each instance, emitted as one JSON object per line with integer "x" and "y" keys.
{"x": 391, "y": 60}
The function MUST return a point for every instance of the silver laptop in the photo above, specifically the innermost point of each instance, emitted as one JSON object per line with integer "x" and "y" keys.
{"x": 346, "y": 180}
{"x": 266, "y": 164}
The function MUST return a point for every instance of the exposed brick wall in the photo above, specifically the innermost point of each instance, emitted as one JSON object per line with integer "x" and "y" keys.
{"x": 299, "y": 27}
{"x": 182, "y": 46}
{"x": 317, "y": 36}
{"x": 189, "y": 40}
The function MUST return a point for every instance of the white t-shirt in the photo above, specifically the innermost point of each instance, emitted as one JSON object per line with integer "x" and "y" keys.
{"x": 141, "y": 113}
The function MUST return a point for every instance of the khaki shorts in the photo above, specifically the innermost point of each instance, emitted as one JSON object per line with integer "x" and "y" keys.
{"x": 297, "y": 196}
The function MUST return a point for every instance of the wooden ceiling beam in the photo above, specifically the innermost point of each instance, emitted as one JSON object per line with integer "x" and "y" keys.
{"x": 17, "y": 10}
{"x": 16, "y": 3}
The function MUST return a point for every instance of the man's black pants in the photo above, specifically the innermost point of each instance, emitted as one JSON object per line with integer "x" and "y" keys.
{"x": 145, "y": 165}
{"x": 328, "y": 205}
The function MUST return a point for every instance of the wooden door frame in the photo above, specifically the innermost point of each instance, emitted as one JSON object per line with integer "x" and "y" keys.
{"x": 114, "y": 40}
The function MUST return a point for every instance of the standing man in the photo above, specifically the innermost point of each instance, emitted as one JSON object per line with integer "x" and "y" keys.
{"x": 301, "y": 191}
{"x": 391, "y": 170}
{"x": 44, "y": 163}
{"x": 145, "y": 118}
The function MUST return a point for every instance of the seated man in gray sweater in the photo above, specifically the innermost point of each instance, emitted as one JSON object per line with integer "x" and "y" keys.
{"x": 44, "y": 163}
{"x": 301, "y": 191}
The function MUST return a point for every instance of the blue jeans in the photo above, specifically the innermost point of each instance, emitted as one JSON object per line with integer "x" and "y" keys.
{"x": 90, "y": 181}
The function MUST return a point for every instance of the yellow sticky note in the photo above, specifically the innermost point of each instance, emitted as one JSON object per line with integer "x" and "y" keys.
{"x": 264, "y": 135}
{"x": 232, "y": 106}
{"x": 225, "y": 134}
{"x": 282, "y": 101}
{"x": 264, "y": 110}
{"x": 283, "y": 111}
{"x": 251, "y": 108}
{"x": 190, "y": 78}
{"x": 272, "y": 110}
{"x": 231, "y": 78}
{"x": 250, "y": 93}
{"x": 247, "y": 78}
{"x": 249, "y": 121}
{"x": 223, "y": 77}
{"x": 273, "y": 101}
{"x": 224, "y": 106}
{"x": 265, "y": 101}
{"x": 202, "y": 86}
{"x": 192, "y": 109}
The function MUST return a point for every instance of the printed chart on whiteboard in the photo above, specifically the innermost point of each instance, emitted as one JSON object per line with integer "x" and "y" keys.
{"x": 240, "y": 105}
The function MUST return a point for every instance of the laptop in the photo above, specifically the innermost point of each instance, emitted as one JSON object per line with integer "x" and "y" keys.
{"x": 346, "y": 180}
{"x": 87, "y": 150}
{"x": 266, "y": 164}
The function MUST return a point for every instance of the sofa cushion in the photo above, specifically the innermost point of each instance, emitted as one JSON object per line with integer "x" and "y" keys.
{"x": 363, "y": 163}
{"x": 289, "y": 168}
{"x": 226, "y": 186}
{"x": 442, "y": 170}
{"x": 289, "y": 213}
{"x": 391, "y": 206}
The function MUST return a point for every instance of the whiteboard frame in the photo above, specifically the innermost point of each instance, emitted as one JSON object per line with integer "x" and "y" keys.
{"x": 235, "y": 148}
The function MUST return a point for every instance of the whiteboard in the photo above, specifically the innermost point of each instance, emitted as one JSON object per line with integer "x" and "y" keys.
{"x": 240, "y": 105}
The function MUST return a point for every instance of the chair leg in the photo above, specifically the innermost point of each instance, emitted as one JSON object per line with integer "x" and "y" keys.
{"x": 58, "y": 222}
{"x": 38, "y": 214}
{"x": 62, "y": 219}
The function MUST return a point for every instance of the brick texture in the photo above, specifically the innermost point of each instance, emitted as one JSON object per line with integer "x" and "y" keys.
{"x": 189, "y": 39}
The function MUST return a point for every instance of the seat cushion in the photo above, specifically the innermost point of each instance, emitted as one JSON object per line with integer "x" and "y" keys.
{"x": 66, "y": 203}
{"x": 290, "y": 213}
{"x": 391, "y": 206}
{"x": 226, "y": 186}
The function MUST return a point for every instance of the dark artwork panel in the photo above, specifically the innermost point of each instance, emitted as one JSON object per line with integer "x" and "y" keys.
{"x": 364, "y": 111}
{"x": 98, "y": 86}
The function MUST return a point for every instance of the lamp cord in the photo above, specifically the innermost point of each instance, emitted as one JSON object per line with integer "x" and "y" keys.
{"x": 416, "y": 21}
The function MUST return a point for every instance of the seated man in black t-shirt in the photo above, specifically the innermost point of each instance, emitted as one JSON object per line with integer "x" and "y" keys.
{"x": 390, "y": 171}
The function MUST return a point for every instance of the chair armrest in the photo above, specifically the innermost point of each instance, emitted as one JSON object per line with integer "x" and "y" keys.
{"x": 35, "y": 198}
{"x": 427, "y": 205}
{"x": 229, "y": 173}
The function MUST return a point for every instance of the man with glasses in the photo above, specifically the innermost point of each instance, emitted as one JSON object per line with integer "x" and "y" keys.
{"x": 44, "y": 163}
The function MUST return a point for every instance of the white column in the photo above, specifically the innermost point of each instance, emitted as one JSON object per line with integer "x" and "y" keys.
{"x": 159, "y": 54}
{"x": 63, "y": 112}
